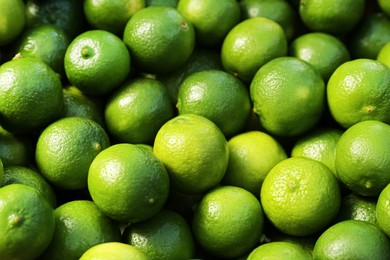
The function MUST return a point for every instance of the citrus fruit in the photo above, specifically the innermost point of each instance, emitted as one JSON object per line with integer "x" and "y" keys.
{"x": 384, "y": 6}
{"x": 30, "y": 95}
{"x": 136, "y": 111}
{"x": 78, "y": 104}
{"x": 27, "y": 222}
{"x": 277, "y": 89}
{"x": 32, "y": 178}
{"x": 279, "y": 250}
{"x": 251, "y": 156}
{"x": 250, "y": 44}
{"x": 128, "y": 183}
{"x": 46, "y": 42}
{"x": 357, "y": 91}
{"x": 218, "y": 96}
{"x": 280, "y": 11}
{"x": 300, "y": 196}
{"x": 159, "y": 38}
{"x": 165, "y": 236}
{"x": 354, "y": 206}
{"x": 361, "y": 160}
{"x": 110, "y": 15}
{"x": 171, "y": 3}
{"x": 337, "y": 17}
{"x": 15, "y": 149}
{"x": 211, "y": 20}
{"x": 113, "y": 251}
{"x": 384, "y": 54}
{"x": 66, "y": 14}
{"x": 319, "y": 144}
{"x": 13, "y": 20}
{"x": 352, "y": 239}
{"x": 370, "y": 36}
{"x": 383, "y": 211}
{"x": 322, "y": 50}
{"x": 79, "y": 225}
{"x": 66, "y": 148}
{"x": 200, "y": 59}
{"x": 228, "y": 221}
{"x": 93, "y": 55}
{"x": 194, "y": 152}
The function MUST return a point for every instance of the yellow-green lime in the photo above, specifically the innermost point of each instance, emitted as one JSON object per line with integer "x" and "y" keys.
{"x": 384, "y": 54}
{"x": 337, "y": 17}
{"x": 13, "y": 20}
{"x": 352, "y": 239}
{"x": 30, "y": 95}
{"x": 27, "y": 222}
{"x": 78, "y": 104}
{"x": 66, "y": 14}
{"x": 250, "y": 44}
{"x": 358, "y": 90}
{"x": 251, "y": 156}
{"x": 66, "y": 149}
{"x": 319, "y": 144}
{"x": 160, "y": 39}
{"x": 111, "y": 15}
{"x": 322, "y": 50}
{"x": 194, "y": 152}
{"x": 165, "y": 236}
{"x": 358, "y": 207}
{"x": 113, "y": 251}
{"x": 128, "y": 183}
{"x": 79, "y": 225}
{"x": 280, "y": 11}
{"x": 211, "y": 20}
{"x": 32, "y": 178}
{"x": 46, "y": 42}
{"x": 218, "y": 96}
{"x": 362, "y": 157}
{"x": 279, "y": 250}
{"x": 300, "y": 196}
{"x": 370, "y": 36}
{"x": 15, "y": 149}
{"x": 137, "y": 109}
{"x": 383, "y": 210}
{"x": 277, "y": 89}
{"x": 228, "y": 222}
{"x": 97, "y": 62}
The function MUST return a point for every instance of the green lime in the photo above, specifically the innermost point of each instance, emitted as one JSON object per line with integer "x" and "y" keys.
{"x": 79, "y": 225}
{"x": 167, "y": 235}
{"x": 27, "y": 222}
{"x": 279, "y": 250}
{"x": 300, "y": 196}
{"x": 91, "y": 57}
{"x": 194, "y": 152}
{"x": 66, "y": 149}
{"x": 362, "y": 161}
{"x": 383, "y": 210}
{"x": 352, "y": 239}
{"x": 113, "y": 251}
{"x": 30, "y": 95}
{"x": 384, "y": 6}
{"x": 136, "y": 111}
{"x": 228, "y": 222}
{"x": 384, "y": 54}
{"x": 278, "y": 87}
{"x": 13, "y": 20}
{"x": 159, "y": 38}
{"x": 250, "y": 44}
{"x": 128, "y": 183}
{"x": 212, "y": 20}
{"x": 32, "y": 178}
{"x": 218, "y": 96}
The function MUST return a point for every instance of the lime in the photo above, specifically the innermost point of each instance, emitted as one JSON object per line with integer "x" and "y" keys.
{"x": 384, "y": 54}
{"x": 279, "y": 250}
{"x": 383, "y": 210}
{"x": 113, "y": 251}
{"x": 13, "y": 20}
{"x": 194, "y": 152}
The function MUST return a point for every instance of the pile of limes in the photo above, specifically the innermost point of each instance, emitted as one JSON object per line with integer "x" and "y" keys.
{"x": 194, "y": 129}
